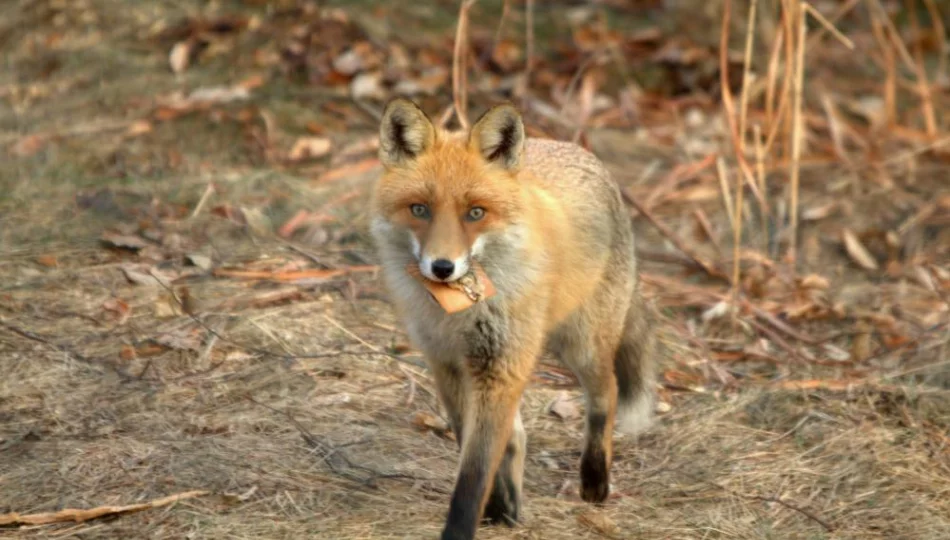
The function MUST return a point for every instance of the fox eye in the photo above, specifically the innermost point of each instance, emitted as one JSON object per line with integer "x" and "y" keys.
{"x": 420, "y": 211}
{"x": 476, "y": 213}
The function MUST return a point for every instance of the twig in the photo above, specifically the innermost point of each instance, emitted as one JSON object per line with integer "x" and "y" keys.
{"x": 708, "y": 267}
{"x": 272, "y": 354}
{"x": 32, "y": 336}
{"x": 829, "y": 25}
{"x": 328, "y": 453}
{"x": 204, "y": 200}
{"x": 764, "y": 498}
{"x": 79, "y": 515}
{"x": 459, "y": 66}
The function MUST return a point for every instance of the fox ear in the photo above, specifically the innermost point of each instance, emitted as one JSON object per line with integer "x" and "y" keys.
{"x": 499, "y": 136}
{"x": 405, "y": 132}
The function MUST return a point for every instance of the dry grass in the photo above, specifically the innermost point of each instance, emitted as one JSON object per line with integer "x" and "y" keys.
{"x": 296, "y": 404}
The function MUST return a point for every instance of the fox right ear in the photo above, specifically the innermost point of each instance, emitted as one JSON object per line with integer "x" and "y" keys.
{"x": 405, "y": 132}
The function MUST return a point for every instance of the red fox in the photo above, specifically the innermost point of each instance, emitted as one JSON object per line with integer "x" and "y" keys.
{"x": 546, "y": 223}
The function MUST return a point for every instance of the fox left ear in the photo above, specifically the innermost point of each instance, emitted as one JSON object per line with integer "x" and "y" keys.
{"x": 499, "y": 136}
{"x": 405, "y": 133}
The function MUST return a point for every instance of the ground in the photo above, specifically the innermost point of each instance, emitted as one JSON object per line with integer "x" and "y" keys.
{"x": 190, "y": 304}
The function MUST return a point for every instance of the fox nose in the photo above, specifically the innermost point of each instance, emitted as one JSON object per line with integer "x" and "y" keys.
{"x": 442, "y": 268}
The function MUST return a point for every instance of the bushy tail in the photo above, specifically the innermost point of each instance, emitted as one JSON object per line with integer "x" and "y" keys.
{"x": 635, "y": 367}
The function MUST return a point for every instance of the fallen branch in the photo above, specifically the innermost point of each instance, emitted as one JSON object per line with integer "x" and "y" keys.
{"x": 294, "y": 275}
{"x": 79, "y": 515}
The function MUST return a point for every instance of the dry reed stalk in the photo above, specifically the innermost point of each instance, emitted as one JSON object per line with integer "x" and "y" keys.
{"x": 797, "y": 134}
{"x": 746, "y": 73}
{"x": 729, "y": 106}
{"x": 894, "y": 35}
{"x": 459, "y": 68}
{"x": 789, "y": 14}
{"x": 923, "y": 85}
{"x": 828, "y": 26}
{"x": 726, "y": 195}
{"x": 943, "y": 52}
{"x": 743, "y": 116}
{"x": 760, "y": 176}
{"x": 529, "y": 45}
{"x": 772, "y": 78}
{"x": 890, "y": 69}
{"x": 505, "y": 9}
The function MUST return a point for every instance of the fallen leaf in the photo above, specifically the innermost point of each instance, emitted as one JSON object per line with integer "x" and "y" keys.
{"x": 234, "y": 498}
{"x": 120, "y": 308}
{"x": 310, "y": 148}
{"x": 48, "y": 261}
{"x": 139, "y": 127}
{"x": 564, "y": 407}
{"x": 219, "y": 94}
{"x": 814, "y": 281}
{"x": 859, "y": 254}
{"x": 816, "y": 213}
{"x": 354, "y": 169}
{"x": 861, "y": 345}
{"x": 29, "y": 145}
{"x": 179, "y": 56}
{"x": 126, "y": 241}
{"x": 426, "y": 421}
{"x": 599, "y": 522}
{"x": 143, "y": 275}
{"x": 201, "y": 261}
{"x": 333, "y": 399}
{"x": 367, "y": 86}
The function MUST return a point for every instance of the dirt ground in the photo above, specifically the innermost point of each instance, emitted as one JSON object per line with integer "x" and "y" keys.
{"x": 188, "y": 304}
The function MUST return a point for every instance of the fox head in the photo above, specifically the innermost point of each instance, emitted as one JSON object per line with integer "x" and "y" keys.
{"x": 447, "y": 197}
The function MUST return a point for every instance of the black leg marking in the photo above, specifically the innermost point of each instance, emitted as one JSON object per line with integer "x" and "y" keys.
{"x": 503, "y": 505}
{"x": 462, "y": 521}
{"x": 595, "y": 477}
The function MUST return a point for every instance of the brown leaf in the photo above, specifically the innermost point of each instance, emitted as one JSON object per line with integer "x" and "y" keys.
{"x": 564, "y": 407}
{"x": 48, "y": 261}
{"x": 120, "y": 308}
{"x": 310, "y": 148}
{"x": 426, "y": 421}
{"x": 856, "y": 250}
{"x": 29, "y": 145}
{"x": 861, "y": 346}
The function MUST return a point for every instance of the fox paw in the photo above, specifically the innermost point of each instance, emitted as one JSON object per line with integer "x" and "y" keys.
{"x": 595, "y": 478}
{"x": 504, "y": 506}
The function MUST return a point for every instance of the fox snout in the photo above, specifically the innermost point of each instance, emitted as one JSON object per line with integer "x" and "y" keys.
{"x": 445, "y": 269}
